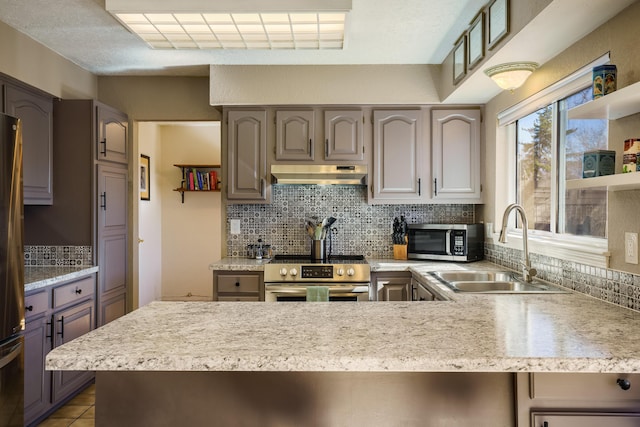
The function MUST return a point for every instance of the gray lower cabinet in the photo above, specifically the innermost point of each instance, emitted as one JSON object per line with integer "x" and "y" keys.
{"x": 587, "y": 399}
{"x": 392, "y": 286}
{"x": 54, "y": 316}
{"x": 596, "y": 419}
{"x": 419, "y": 292}
{"x": 238, "y": 286}
{"x": 35, "y": 110}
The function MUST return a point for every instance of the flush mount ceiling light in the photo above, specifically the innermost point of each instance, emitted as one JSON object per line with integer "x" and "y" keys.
{"x": 235, "y": 24}
{"x": 511, "y": 75}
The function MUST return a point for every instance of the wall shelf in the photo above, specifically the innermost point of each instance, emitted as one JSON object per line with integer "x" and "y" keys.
{"x": 617, "y": 182}
{"x": 201, "y": 184}
{"x": 621, "y": 103}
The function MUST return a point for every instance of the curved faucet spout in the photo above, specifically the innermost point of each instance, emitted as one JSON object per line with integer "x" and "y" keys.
{"x": 527, "y": 271}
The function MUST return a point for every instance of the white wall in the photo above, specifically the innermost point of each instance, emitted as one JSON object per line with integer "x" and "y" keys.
{"x": 149, "y": 218}
{"x": 191, "y": 231}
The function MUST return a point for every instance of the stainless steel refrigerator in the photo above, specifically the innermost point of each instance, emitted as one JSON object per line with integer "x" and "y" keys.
{"x": 11, "y": 274}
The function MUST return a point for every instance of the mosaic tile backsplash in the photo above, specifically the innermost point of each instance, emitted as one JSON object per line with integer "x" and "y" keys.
{"x": 361, "y": 229}
{"x": 616, "y": 287}
{"x": 57, "y": 256}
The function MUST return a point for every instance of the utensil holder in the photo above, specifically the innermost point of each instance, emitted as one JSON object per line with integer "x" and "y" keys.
{"x": 319, "y": 250}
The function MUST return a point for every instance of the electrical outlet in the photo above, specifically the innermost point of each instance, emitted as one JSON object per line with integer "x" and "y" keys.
{"x": 235, "y": 226}
{"x": 631, "y": 248}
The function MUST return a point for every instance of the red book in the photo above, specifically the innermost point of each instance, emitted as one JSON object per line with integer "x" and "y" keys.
{"x": 191, "y": 186}
{"x": 213, "y": 179}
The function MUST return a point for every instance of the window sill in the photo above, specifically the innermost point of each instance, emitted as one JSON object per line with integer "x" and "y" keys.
{"x": 589, "y": 251}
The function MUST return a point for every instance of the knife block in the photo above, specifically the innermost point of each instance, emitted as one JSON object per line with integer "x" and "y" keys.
{"x": 399, "y": 251}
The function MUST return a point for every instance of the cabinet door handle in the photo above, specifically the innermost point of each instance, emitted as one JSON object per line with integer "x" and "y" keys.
{"x": 78, "y": 291}
{"x": 310, "y": 146}
{"x": 624, "y": 383}
{"x": 419, "y": 186}
{"x": 238, "y": 284}
{"x": 61, "y": 321}
{"x": 29, "y": 308}
{"x": 326, "y": 148}
{"x": 50, "y": 325}
{"x": 545, "y": 424}
{"x": 435, "y": 187}
{"x": 103, "y": 201}
{"x": 263, "y": 188}
{"x": 104, "y": 147}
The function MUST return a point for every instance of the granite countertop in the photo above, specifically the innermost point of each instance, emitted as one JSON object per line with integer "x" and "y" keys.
{"x": 40, "y": 277}
{"x": 471, "y": 333}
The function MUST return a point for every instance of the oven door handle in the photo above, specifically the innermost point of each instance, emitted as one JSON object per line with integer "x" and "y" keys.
{"x": 293, "y": 289}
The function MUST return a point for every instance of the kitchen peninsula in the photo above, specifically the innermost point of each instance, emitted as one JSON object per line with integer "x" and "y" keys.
{"x": 394, "y": 363}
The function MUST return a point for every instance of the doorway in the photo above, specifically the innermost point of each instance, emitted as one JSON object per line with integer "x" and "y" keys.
{"x": 176, "y": 241}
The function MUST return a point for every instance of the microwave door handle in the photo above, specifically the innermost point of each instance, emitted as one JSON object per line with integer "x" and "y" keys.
{"x": 447, "y": 245}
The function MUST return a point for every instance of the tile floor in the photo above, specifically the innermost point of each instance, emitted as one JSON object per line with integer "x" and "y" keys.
{"x": 78, "y": 412}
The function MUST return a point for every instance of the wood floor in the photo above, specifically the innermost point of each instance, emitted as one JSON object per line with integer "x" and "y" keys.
{"x": 78, "y": 412}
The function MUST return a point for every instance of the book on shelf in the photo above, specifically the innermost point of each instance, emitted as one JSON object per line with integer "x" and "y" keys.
{"x": 213, "y": 179}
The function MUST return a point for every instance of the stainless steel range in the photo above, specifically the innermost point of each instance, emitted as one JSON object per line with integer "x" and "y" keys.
{"x": 289, "y": 277}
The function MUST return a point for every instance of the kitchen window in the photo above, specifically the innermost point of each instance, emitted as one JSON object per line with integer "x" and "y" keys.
{"x": 549, "y": 150}
{"x": 543, "y": 150}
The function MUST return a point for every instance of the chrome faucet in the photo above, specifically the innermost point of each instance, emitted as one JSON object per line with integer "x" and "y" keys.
{"x": 527, "y": 271}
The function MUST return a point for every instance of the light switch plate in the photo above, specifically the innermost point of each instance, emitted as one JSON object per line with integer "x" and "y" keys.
{"x": 235, "y": 226}
{"x": 631, "y": 248}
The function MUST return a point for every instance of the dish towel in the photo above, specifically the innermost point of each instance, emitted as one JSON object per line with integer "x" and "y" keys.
{"x": 318, "y": 293}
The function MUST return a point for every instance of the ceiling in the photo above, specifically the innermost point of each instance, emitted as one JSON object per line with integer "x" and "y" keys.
{"x": 378, "y": 32}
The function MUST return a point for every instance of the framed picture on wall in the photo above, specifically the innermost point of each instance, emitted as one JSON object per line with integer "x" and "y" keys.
{"x": 460, "y": 59}
{"x": 476, "y": 41}
{"x": 145, "y": 193}
{"x": 498, "y": 22}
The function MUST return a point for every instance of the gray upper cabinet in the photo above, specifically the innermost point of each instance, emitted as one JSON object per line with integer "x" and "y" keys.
{"x": 456, "y": 155}
{"x": 344, "y": 138}
{"x": 36, "y": 112}
{"x": 294, "y": 135}
{"x": 246, "y": 169}
{"x": 112, "y": 135}
{"x": 398, "y": 157}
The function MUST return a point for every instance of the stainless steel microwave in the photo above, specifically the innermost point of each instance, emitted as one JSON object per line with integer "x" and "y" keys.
{"x": 446, "y": 242}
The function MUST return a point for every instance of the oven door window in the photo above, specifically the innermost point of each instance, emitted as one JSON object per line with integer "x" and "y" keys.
{"x": 428, "y": 242}
{"x": 291, "y": 293}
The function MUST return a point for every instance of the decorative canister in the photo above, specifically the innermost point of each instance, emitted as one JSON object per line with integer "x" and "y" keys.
{"x": 604, "y": 80}
{"x": 631, "y": 155}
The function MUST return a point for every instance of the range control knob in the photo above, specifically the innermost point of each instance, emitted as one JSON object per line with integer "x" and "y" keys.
{"x": 293, "y": 272}
{"x": 283, "y": 271}
{"x": 340, "y": 271}
{"x": 350, "y": 272}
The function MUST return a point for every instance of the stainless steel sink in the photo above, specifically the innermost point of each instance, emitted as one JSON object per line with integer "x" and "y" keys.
{"x": 497, "y": 282}
{"x": 474, "y": 276}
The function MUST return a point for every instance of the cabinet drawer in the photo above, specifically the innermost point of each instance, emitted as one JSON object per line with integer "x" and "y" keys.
{"x": 74, "y": 291}
{"x": 596, "y": 387}
{"x": 591, "y": 419}
{"x": 36, "y": 304}
{"x": 248, "y": 283}
{"x": 238, "y": 298}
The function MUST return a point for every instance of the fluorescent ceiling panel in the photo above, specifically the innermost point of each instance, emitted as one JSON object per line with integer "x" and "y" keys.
{"x": 281, "y": 24}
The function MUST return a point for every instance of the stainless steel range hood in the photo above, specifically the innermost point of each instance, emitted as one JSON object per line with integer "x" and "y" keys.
{"x": 320, "y": 174}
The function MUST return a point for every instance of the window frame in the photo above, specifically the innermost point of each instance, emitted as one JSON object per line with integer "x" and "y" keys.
{"x": 583, "y": 249}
